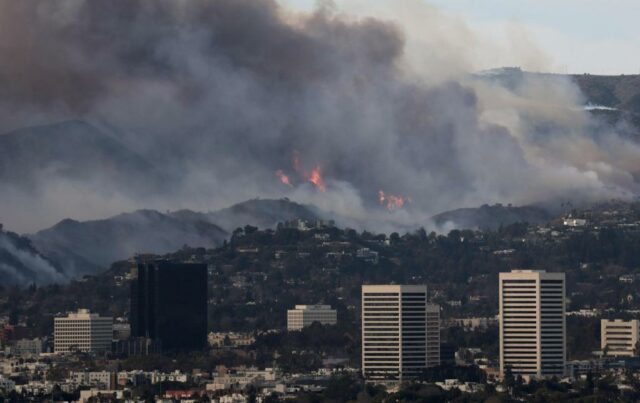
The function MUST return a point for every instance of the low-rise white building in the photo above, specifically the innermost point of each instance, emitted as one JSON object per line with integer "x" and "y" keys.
{"x": 27, "y": 347}
{"x": 101, "y": 379}
{"x": 574, "y": 222}
{"x": 176, "y": 376}
{"x": 241, "y": 379}
{"x": 304, "y": 315}
{"x": 233, "y": 398}
{"x": 618, "y": 337}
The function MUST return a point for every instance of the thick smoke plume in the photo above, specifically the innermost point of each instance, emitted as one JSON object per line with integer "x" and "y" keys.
{"x": 219, "y": 95}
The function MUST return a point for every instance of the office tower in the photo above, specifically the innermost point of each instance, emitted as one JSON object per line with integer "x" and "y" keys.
{"x": 433, "y": 335}
{"x": 619, "y": 338}
{"x": 304, "y": 315}
{"x": 532, "y": 323}
{"x": 394, "y": 332}
{"x": 82, "y": 331}
{"x": 169, "y": 304}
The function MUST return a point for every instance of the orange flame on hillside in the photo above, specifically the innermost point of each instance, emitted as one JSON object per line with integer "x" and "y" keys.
{"x": 392, "y": 202}
{"x": 317, "y": 180}
{"x": 283, "y": 178}
{"x": 315, "y": 177}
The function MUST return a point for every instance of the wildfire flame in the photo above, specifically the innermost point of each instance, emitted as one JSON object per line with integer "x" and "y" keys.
{"x": 316, "y": 179}
{"x": 283, "y": 178}
{"x": 392, "y": 202}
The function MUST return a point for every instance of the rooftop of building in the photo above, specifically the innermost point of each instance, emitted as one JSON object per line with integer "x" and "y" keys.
{"x": 394, "y": 288}
{"x": 527, "y": 271}
{"x": 313, "y": 307}
{"x": 83, "y": 314}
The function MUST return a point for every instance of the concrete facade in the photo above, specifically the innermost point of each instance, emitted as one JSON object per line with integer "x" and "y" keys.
{"x": 532, "y": 323}
{"x": 83, "y": 331}
{"x": 395, "y": 332}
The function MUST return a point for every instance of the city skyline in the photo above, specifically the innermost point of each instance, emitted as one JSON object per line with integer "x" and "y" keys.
{"x": 319, "y": 201}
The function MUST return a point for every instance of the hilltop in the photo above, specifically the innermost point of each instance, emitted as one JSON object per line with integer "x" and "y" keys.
{"x": 614, "y": 99}
{"x": 88, "y": 247}
{"x": 22, "y": 264}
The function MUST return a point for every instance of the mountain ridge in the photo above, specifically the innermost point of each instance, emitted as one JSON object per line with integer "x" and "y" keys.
{"x": 85, "y": 247}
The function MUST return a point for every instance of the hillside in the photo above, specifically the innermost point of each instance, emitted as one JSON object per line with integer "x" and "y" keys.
{"x": 262, "y": 213}
{"x": 490, "y": 217}
{"x": 22, "y": 264}
{"x": 619, "y": 93}
{"x": 613, "y": 99}
{"x": 91, "y": 246}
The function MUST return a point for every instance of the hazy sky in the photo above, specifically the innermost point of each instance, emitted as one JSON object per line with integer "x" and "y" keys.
{"x": 595, "y": 36}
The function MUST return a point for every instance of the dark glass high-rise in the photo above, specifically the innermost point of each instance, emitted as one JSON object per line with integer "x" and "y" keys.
{"x": 169, "y": 304}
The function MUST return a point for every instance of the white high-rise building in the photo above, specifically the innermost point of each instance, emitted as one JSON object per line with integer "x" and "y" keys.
{"x": 532, "y": 323}
{"x": 395, "y": 332}
{"x": 83, "y": 331}
{"x": 304, "y": 315}
{"x": 619, "y": 337}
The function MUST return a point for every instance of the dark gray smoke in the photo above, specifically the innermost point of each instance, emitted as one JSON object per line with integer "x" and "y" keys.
{"x": 220, "y": 94}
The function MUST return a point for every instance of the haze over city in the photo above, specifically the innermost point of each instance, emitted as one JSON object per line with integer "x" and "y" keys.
{"x": 241, "y": 201}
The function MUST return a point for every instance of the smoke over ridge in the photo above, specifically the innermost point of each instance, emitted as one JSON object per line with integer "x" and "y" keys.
{"x": 219, "y": 95}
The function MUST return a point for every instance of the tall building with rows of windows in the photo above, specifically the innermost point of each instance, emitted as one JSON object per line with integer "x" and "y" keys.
{"x": 395, "y": 329}
{"x": 82, "y": 331}
{"x": 532, "y": 323}
{"x": 619, "y": 338}
{"x": 304, "y": 315}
